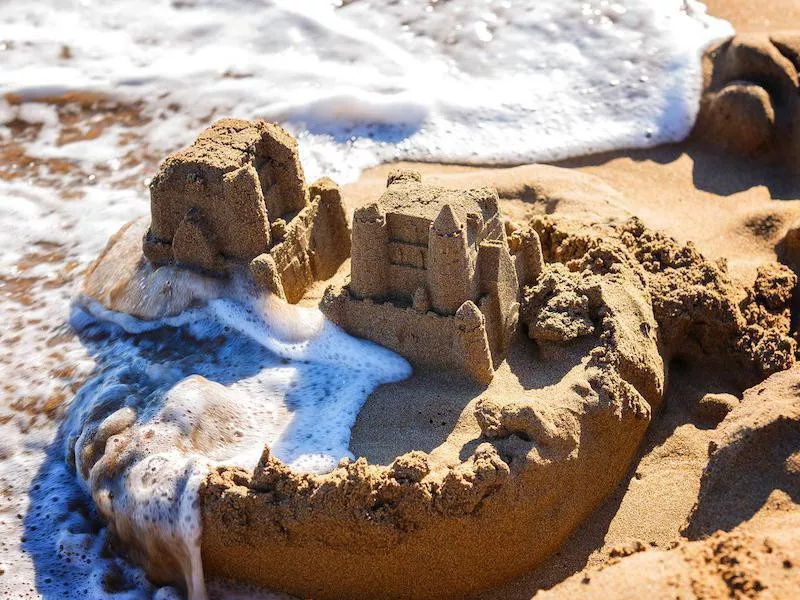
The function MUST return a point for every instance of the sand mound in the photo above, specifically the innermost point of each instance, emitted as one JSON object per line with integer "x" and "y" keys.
{"x": 746, "y": 521}
{"x": 751, "y": 100}
{"x": 529, "y": 457}
{"x": 701, "y": 314}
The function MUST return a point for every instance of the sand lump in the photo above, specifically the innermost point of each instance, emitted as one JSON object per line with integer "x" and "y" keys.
{"x": 237, "y": 197}
{"x": 751, "y": 103}
{"x": 701, "y": 314}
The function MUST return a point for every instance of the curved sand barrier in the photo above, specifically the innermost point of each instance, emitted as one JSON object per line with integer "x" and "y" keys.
{"x": 523, "y": 465}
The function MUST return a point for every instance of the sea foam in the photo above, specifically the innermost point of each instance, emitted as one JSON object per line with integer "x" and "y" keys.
{"x": 472, "y": 81}
{"x": 209, "y": 386}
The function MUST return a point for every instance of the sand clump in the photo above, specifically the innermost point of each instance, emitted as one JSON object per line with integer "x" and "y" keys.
{"x": 471, "y": 513}
{"x": 701, "y": 313}
{"x": 211, "y": 227}
{"x": 751, "y": 103}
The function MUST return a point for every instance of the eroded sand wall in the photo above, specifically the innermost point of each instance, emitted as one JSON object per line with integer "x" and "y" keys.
{"x": 316, "y": 242}
{"x": 457, "y": 343}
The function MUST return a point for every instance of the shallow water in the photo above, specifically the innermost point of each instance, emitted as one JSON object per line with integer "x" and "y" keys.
{"x": 475, "y": 81}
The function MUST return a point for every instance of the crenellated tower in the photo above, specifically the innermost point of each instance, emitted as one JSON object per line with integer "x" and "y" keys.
{"x": 370, "y": 253}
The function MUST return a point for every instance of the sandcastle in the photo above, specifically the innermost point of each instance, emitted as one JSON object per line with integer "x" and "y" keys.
{"x": 237, "y": 196}
{"x": 432, "y": 277}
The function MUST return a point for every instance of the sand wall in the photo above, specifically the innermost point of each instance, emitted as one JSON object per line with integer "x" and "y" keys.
{"x": 315, "y": 243}
{"x": 456, "y": 343}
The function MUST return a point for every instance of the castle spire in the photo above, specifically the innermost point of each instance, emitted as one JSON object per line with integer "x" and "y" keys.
{"x": 448, "y": 273}
{"x": 446, "y": 223}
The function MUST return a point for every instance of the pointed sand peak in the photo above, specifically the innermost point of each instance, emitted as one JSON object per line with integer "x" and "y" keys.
{"x": 470, "y": 313}
{"x": 447, "y": 222}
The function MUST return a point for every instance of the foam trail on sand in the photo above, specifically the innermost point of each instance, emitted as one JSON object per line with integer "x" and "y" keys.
{"x": 209, "y": 386}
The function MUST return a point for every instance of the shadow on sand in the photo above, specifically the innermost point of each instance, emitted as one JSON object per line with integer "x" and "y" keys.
{"x": 713, "y": 170}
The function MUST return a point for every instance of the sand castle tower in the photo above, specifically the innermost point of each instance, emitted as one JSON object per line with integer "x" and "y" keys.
{"x": 432, "y": 277}
{"x": 238, "y": 197}
{"x": 369, "y": 253}
{"x": 449, "y": 272}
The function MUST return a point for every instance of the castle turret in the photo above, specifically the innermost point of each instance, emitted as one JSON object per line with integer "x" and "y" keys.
{"x": 448, "y": 263}
{"x": 370, "y": 253}
{"x": 473, "y": 346}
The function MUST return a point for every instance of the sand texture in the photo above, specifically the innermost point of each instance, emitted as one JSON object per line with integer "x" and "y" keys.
{"x": 744, "y": 528}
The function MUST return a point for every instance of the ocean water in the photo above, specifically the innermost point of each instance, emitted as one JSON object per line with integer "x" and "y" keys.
{"x": 358, "y": 83}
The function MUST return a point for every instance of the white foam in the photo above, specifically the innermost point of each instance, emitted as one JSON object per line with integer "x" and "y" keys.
{"x": 471, "y": 81}
{"x": 288, "y": 379}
